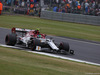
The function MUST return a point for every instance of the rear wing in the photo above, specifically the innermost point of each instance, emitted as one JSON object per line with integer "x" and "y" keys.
{"x": 14, "y": 30}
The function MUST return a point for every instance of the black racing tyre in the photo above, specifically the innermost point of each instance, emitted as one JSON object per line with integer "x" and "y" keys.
{"x": 64, "y": 46}
{"x": 10, "y": 39}
{"x": 34, "y": 43}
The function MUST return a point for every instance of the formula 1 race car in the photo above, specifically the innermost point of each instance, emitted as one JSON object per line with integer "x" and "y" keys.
{"x": 34, "y": 40}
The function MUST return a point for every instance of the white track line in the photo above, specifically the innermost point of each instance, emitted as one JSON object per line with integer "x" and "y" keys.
{"x": 53, "y": 55}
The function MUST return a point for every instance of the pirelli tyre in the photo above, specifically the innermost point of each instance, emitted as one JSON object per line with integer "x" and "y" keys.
{"x": 34, "y": 43}
{"x": 10, "y": 39}
{"x": 64, "y": 46}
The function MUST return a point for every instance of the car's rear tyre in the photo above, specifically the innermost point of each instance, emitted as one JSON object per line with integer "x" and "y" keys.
{"x": 35, "y": 43}
{"x": 10, "y": 39}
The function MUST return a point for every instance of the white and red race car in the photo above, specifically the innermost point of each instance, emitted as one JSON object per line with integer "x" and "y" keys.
{"x": 34, "y": 40}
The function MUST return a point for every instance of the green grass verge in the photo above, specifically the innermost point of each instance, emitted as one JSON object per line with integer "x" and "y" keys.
{"x": 58, "y": 28}
{"x": 16, "y": 62}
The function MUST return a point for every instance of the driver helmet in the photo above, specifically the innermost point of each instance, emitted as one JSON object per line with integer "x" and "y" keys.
{"x": 37, "y": 31}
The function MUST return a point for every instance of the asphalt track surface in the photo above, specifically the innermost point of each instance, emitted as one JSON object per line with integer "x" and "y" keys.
{"x": 86, "y": 51}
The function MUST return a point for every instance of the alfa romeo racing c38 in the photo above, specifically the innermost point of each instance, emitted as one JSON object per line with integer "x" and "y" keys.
{"x": 34, "y": 40}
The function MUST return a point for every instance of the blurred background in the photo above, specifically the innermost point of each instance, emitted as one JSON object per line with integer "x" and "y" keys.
{"x": 34, "y": 7}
